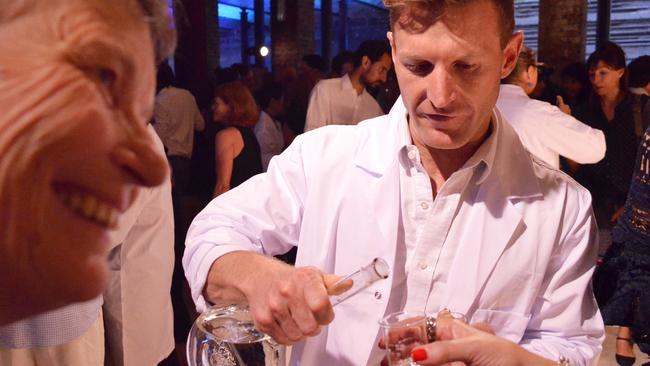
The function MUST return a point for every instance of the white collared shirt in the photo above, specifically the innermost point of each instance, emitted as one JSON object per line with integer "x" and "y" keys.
{"x": 547, "y": 132}
{"x": 176, "y": 118}
{"x": 269, "y": 135}
{"x": 426, "y": 221}
{"x": 336, "y": 102}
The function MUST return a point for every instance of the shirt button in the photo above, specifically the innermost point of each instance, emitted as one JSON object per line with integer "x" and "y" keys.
{"x": 411, "y": 155}
{"x": 424, "y": 205}
{"x": 377, "y": 295}
{"x": 423, "y": 266}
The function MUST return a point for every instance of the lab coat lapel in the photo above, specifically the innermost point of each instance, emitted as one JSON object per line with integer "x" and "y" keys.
{"x": 493, "y": 221}
{"x": 493, "y": 224}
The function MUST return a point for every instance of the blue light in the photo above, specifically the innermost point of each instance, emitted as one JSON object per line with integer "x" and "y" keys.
{"x": 233, "y": 12}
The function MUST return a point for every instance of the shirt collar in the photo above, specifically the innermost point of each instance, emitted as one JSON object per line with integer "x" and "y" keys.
{"x": 346, "y": 83}
{"x": 639, "y": 91}
{"x": 511, "y": 88}
{"x": 481, "y": 161}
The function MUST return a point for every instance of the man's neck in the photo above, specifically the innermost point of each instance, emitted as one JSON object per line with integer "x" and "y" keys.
{"x": 440, "y": 164}
{"x": 355, "y": 79}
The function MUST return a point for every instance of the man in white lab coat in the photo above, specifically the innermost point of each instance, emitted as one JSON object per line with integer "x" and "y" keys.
{"x": 441, "y": 188}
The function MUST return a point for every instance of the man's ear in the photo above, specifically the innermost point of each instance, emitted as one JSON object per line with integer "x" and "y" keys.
{"x": 511, "y": 54}
{"x": 391, "y": 41}
{"x": 365, "y": 62}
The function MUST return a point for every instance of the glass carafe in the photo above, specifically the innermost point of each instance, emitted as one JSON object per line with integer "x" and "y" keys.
{"x": 226, "y": 336}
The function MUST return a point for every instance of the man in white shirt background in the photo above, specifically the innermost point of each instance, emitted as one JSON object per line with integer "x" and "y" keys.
{"x": 176, "y": 117}
{"x": 345, "y": 100}
{"x": 545, "y": 130}
{"x": 268, "y": 129}
{"x": 441, "y": 188}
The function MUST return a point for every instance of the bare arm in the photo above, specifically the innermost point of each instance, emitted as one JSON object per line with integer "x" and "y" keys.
{"x": 228, "y": 144}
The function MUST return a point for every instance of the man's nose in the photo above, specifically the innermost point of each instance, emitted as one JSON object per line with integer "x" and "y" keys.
{"x": 142, "y": 158}
{"x": 441, "y": 88}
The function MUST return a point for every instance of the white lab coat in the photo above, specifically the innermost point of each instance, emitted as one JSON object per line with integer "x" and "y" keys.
{"x": 138, "y": 313}
{"x": 525, "y": 242}
{"x": 547, "y": 132}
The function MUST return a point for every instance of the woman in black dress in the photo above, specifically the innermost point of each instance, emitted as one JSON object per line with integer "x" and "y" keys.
{"x": 237, "y": 152}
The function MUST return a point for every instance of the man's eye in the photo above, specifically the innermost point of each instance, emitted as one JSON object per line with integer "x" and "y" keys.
{"x": 465, "y": 67}
{"x": 419, "y": 68}
{"x": 105, "y": 76}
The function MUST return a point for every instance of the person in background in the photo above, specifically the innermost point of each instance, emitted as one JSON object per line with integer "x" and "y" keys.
{"x": 342, "y": 64}
{"x": 610, "y": 109}
{"x": 77, "y": 88}
{"x": 237, "y": 152}
{"x": 268, "y": 129}
{"x": 545, "y": 130}
{"x": 137, "y": 310}
{"x": 622, "y": 281}
{"x": 575, "y": 87}
{"x": 639, "y": 75}
{"x": 345, "y": 100}
{"x": 176, "y": 117}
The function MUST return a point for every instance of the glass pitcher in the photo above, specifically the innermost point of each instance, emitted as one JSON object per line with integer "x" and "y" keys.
{"x": 226, "y": 336}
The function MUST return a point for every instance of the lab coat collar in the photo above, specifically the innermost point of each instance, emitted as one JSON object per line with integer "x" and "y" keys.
{"x": 500, "y": 155}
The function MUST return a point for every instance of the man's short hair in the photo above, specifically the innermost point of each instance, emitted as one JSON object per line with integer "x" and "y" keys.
{"x": 525, "y": 60}
{"x": 272, "y": 91}
{"x": 639, "y": 72}
{"x": 418, "y": 15}
{"x": 161, "y": 27}
{"x": 373, "y": 49}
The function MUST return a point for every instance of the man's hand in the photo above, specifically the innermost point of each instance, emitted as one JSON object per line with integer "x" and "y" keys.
{"x": 285, "y": 302}
{"x": 563, "y": 107}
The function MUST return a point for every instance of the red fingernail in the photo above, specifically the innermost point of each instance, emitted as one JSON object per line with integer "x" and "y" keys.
{"x": 419, "y": 355}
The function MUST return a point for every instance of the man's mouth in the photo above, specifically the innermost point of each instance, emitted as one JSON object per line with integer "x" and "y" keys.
{"x": 90, "y": 207}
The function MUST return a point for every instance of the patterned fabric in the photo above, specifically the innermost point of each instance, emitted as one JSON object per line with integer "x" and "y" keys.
{"x": 622, "y": 282}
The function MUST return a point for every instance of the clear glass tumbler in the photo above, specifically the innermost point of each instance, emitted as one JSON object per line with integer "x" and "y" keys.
{"x": 403, "y": 331}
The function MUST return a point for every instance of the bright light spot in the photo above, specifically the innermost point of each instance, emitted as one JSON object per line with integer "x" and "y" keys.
{"x": 264, "y": 51}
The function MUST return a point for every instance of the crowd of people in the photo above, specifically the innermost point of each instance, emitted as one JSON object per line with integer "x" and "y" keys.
{"x": 490, "y": 190}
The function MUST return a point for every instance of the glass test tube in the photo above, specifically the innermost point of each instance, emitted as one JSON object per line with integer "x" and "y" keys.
{"x": 377, "y": 270}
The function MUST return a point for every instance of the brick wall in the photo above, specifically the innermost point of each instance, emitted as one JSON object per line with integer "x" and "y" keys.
{"x": 293, "y": 34}
{"x": 562, "y": 30}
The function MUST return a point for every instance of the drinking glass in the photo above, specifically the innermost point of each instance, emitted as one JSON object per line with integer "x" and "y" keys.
{"x": 403, "y": 331}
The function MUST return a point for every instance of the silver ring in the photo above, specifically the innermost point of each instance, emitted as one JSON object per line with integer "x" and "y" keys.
{"x": 431, "y": 329}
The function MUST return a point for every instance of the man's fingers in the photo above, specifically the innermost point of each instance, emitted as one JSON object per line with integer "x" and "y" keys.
{"x": 559, "y": 100}
{"x": 334, "y": 284}
{"x": 318, "y": 301}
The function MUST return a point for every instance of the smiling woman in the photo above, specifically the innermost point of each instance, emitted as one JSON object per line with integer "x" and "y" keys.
{"x": 77, "y": 91}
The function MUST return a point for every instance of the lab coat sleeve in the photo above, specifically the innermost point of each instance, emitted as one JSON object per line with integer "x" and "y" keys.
{"x": 566, "y": 320}
{"x": 317, "y": 115}
{"x": 262, "y": 215}
{"x": 569, "y": 137}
